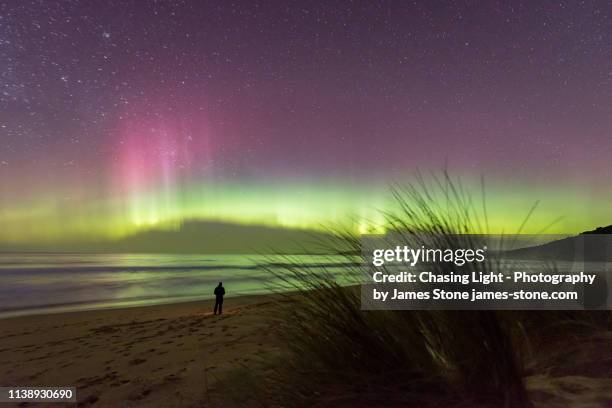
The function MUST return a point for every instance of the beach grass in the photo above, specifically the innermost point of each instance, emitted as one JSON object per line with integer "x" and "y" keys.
{"x": 342, "y": 355}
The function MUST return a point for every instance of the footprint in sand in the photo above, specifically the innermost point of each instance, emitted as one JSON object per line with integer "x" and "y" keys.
{"x": 172, "y": 378}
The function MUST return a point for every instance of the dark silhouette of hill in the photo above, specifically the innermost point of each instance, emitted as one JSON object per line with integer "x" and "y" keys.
{"x": 220, "y": 237}
{"x": 593, "y": 246}
{"x": 600, "y": 230}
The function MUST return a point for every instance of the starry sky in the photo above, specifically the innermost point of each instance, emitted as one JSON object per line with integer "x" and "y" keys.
{"x": 118, "y": 116}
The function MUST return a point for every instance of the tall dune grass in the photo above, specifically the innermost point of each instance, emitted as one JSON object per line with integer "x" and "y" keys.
{"x": 344, "y": 356}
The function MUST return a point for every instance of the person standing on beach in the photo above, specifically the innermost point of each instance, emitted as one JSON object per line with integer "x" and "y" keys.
{"x": 219, "y": 292}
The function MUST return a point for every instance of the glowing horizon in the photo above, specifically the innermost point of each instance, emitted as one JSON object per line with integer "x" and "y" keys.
{"x": 298, "y": 205}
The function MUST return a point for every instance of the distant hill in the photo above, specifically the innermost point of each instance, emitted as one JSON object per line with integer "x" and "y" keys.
{"x": 593, "y": 246}
{"x": 221, "y": 237}
{"x": 600, "y": 230}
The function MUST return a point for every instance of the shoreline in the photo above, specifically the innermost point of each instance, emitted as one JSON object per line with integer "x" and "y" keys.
{"x": 55, "y": 309}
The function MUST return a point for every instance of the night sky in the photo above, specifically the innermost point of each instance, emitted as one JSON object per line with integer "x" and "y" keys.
{"x": 121, "y": 115}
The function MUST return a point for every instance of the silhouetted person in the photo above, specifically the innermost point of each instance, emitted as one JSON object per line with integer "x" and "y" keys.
{"x": 219, "y": 292}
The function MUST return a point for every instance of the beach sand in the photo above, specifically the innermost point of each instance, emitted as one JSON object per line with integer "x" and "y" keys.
{"x": 162, "y": 356}
{"x": 182, "y": 355}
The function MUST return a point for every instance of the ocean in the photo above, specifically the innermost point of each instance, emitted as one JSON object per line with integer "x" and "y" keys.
{"x": 49, "y": 283}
